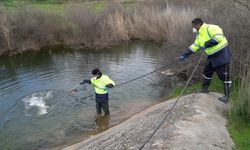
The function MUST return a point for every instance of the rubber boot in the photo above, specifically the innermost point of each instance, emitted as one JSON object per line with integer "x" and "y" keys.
{"x": 205, "y": 85}
{"x": 225, "y": 99}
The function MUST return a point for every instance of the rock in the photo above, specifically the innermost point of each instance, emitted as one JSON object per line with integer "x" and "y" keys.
{"x": 168, "y": 72}
{"x": 196, "y": 123}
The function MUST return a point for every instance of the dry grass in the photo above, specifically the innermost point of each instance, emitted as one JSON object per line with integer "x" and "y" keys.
{"x": 237, "y": 25}
{"x": 149, "y": 22}
{"x": 29, "y": 28}
{"x": 232, "y": 16}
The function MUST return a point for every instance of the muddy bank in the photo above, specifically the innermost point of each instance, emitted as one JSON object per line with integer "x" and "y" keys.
{"x": 196, "y": 123}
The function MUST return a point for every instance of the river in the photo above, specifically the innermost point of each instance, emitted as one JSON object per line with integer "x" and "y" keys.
{"x": 36, "y": 111}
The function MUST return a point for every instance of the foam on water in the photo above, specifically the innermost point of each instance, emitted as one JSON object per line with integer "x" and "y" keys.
{"x": 38, "y": 100}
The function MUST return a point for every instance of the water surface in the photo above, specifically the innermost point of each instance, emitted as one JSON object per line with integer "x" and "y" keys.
{"x": 36, "y": 112}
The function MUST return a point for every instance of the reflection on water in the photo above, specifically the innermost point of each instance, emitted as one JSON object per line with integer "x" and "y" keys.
{"x": 102, "y": 122}
{"x": 36, "y": 112}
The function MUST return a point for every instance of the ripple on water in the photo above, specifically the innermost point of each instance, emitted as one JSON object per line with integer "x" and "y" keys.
{"x": 34, "y": 120}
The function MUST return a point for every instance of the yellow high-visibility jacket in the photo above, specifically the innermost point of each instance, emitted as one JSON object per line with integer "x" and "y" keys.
{"x": 207, "y": 32}
{"x": 101, "y": 83}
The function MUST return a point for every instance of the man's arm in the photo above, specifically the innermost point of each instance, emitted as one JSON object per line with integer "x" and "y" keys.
{"x": 85, "y": 81}
{"x": 109, "y": 83}
{"x": 216, "y": 36}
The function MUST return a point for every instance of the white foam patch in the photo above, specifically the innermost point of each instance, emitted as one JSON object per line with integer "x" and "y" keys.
{"x": 38, "y": 100}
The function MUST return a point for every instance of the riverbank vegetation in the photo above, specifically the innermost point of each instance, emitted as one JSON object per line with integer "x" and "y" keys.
{"x": 98, "y": 24}
{"x": 59, "y": 5}
{"x": 233, "y": 16}
{"x": 30, "y": 28}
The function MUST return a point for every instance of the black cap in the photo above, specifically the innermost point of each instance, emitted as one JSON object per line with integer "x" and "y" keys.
{"x": 197, "y": 21}
{"x": 96, "y": 71}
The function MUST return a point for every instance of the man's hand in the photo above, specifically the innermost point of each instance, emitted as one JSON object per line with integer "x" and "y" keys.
{"x": 203, "y": 48}
{"x": 183, "y": 56}
{"x": 107, "y": 87}
{"x": 186, "y": 54}
{"x": 85, "y": 81}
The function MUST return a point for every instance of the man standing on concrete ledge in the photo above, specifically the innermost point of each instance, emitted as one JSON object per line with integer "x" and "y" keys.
{"x": 211, "y": 39}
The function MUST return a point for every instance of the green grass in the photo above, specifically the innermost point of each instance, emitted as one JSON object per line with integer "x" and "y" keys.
{"x": 216, "y": 86}
{"x": 239, "y": 126}
{"x": 97, "y": 6}
{"x": 240, "y": 132}
{"x": 51, "y": 5}
{"x": 46, "y": 5}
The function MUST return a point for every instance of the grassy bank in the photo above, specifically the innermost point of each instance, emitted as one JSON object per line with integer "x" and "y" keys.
{"x": 239, "y": 125}
{"x": 240, "y": 132}
{"x": 239, "y": 117}
{"x": 216, "y": 86}
{"x": 60, "y": 5}
{"x": 29, "y": 28}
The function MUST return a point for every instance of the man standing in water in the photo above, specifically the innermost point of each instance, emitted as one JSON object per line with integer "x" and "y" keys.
{"x": 211, "y": 39}
{"x": 102, "y": 84}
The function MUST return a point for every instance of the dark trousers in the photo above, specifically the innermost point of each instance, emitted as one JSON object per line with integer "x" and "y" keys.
{"x": 223, "y": 74}
{"x": 102, "y": 106}
{"x": 102, "y": 103}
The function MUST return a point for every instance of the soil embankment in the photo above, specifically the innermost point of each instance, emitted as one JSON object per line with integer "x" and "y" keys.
{"x": 196, "y": 123}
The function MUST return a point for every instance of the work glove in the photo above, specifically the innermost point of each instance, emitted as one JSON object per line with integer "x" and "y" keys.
{"x": 107, "y": 87}
{"x": 203, "y": 48}
{"x": 186, "y": 54}
{"x": 85, "y": 81}
{"x": 183, "y": 57}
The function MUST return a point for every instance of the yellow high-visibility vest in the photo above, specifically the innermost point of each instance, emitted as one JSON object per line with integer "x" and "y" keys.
{"x": 207, "y": 32}
{"x": 101, "y": 83}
